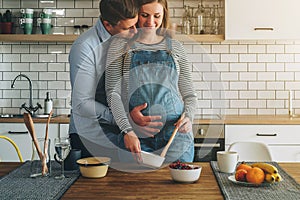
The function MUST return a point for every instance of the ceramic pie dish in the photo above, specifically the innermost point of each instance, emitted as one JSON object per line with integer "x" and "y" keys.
{"x": 94, "y": 167}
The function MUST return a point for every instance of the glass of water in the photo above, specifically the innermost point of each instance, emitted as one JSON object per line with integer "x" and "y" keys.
{"x": 62, "y": 149}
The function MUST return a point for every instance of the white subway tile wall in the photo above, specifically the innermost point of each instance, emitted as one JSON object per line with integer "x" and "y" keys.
{"x": 230, "y": 77}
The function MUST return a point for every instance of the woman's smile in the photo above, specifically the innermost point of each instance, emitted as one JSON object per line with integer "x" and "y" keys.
{"x": 151, "y": 16}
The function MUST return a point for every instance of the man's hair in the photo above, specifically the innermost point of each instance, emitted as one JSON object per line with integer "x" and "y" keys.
{"x": 114, "y": 11}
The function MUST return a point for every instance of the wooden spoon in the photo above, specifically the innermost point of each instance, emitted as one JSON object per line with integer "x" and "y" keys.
{"x": 29, "y": 124}
{"x": 45, "y": 169}
{"x": 164, "y": 152}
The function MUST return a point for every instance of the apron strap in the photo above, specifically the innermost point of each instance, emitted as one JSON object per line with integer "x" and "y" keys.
{"x": 169, "y": 45}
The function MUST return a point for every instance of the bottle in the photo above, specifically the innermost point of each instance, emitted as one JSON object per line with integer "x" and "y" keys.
{"x": 187, "y": 27}
{"x": 199, "y": 15}
{"x": 192, "y": 21}
{"x": 48, "y": 103}
{"x": 183, "y": 20}
{"x": 186, "y": 20}
{"x": 210, "y": 21}
{"x": 216, "y": 20}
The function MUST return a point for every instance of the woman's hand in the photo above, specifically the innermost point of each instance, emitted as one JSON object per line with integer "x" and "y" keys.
{"x": 185, "y": 125}
{"x": 132, "y": 142}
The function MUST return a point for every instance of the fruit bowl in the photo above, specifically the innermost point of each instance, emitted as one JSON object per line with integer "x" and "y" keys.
{"x": 186, "y": 173}
{"x": 255, "y": 174}
{"x": 93, "y": 167}
{"x": 232, "y": 179}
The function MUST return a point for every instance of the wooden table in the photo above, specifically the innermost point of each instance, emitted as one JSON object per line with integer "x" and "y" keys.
{"x": 149, "y": 185}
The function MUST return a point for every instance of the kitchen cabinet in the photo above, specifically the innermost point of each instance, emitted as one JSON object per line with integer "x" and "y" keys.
{"x": 283, "y": 140}
{"x": 267, "y": 19}
{"x": 19, "y": 134}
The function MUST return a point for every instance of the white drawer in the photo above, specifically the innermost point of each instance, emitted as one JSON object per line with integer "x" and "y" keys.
{"x": 63, "y": 130}
{"x": 268, "y": 134}
{"x": 285, "y": 153}
{"x": 23, "y": 141}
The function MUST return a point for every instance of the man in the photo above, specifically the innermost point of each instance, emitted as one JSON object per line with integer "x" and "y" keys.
{"x": 92, "y": 127}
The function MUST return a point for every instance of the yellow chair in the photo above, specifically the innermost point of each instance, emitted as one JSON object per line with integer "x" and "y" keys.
{"x": 15, "y": 146}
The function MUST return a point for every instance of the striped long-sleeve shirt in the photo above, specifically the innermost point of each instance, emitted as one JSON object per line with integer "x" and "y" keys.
{"x": 117, "y": 75}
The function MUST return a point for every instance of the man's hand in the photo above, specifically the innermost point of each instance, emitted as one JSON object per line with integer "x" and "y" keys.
{"x": 148, "y": 125}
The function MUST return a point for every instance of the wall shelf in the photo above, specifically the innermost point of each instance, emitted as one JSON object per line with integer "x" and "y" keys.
{"x": 71, "y": 38}
{"x": 37, "y": 38}
{"x": 200, "y": 38}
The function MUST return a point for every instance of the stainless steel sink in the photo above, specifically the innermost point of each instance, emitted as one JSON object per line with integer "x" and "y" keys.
{"x": 21, "y": 116}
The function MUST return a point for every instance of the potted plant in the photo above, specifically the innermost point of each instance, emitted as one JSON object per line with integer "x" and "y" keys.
{"x": 6, "y": 23}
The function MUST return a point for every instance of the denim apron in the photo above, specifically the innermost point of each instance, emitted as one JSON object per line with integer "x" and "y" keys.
{"x": 153, "y": 79}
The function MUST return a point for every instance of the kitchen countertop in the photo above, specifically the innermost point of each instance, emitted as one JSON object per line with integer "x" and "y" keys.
{"x": 59, "y": 119}
{"x": 225, "y": 119}
{"x": 251, "y": 119}
{"x": 149, "y": 185}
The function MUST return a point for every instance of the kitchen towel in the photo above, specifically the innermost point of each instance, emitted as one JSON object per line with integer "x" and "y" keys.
{"x": 287, "y": 189}
{"x": 18, "y": 185}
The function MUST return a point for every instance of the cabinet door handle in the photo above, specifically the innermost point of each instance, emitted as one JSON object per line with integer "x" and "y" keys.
{"x": 264, "y": 29}
{"x": 207, "y": 145}
{"x": 18, "y": 132}
{"x": 266, "y": 134}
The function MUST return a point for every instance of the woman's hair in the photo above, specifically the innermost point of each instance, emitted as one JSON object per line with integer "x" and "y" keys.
{"x": 163, "y": 30}
{"x": 164, "y": 3}
{"x": 114, "y": 11}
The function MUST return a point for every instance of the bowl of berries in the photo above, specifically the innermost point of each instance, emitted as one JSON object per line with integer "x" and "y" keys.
{"x": 183, "y": 172}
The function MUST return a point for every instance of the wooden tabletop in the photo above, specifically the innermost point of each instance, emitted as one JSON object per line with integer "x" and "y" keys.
{"x": 148, "y": 185}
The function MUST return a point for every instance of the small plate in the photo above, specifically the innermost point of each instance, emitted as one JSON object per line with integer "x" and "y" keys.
{"x": 232, "y": 179}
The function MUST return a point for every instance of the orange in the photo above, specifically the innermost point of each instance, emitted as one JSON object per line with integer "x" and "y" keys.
{"x": 244, "y": 166}
{"x": 255, "y": 175}
{"x": 240, "y": 175}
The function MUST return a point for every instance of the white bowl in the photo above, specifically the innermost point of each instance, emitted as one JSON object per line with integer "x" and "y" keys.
{"x": 93, "y": 167}
{"x": 186, "y": 175}
{"x": 151, "y": 159}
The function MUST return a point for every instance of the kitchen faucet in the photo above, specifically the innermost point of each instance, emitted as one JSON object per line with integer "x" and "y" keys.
{"x": 29, "y": 109}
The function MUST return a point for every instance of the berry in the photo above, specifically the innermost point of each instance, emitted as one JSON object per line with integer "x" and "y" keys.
{"x": 183, "y": 166}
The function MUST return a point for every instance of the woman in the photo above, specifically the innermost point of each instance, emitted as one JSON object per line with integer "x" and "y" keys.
{"x": 154, "y": 70}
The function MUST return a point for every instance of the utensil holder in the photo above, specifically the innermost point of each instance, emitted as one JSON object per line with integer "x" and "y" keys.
{"x": 36, "y": 163}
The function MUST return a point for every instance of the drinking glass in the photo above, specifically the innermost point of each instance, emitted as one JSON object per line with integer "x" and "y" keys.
{"x": 62, "y": 149}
